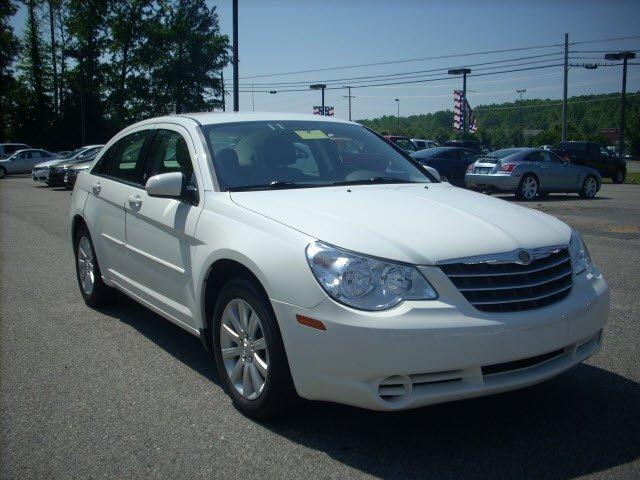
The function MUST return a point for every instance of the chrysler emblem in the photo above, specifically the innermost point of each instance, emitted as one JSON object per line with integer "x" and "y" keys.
{"x": 524, "y": 257}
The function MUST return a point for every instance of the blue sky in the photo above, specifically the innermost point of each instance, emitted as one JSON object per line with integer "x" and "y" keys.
{"x": 283, "y": 36}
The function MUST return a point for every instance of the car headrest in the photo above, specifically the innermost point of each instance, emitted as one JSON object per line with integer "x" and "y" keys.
{"x": 278, "y": 150}
{"x": 228, "y": 159}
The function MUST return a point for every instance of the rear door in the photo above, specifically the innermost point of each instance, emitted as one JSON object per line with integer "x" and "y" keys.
{"x": 117, "y": 173}
{"x": 160, "y": 230}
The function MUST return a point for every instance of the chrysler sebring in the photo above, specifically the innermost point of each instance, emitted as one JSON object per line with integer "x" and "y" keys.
{"x": 318, "y": 272}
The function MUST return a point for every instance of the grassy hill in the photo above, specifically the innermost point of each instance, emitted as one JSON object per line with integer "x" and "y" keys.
{"x": 510, "y": 123}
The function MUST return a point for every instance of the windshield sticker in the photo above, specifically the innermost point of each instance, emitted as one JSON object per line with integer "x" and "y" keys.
{"x": 311, "y": 134}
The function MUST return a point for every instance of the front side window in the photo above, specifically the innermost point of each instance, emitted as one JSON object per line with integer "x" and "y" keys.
{"x": 123, "y": 160}
{"x": 169, "y": 153}
{"x": 304, "y": 154}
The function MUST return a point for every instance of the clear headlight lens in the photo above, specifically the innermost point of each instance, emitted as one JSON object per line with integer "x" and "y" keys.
{"x": 365, "y": 283}
{"x": 579, "y": 254}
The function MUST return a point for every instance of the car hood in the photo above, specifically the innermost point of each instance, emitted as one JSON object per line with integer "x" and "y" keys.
{"x": 410, "y": 223}
{"x": 49, "y": 163}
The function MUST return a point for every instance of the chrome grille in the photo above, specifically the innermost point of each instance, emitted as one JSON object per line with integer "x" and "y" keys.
{"x": 503, "y": 283}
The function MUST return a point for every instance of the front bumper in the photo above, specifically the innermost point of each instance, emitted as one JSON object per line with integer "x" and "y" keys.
{"x": 502, "y": 182}
{"x": 40, "y": 175}
{"x": 56, "y": 177}
{"x": 421, "y": 353}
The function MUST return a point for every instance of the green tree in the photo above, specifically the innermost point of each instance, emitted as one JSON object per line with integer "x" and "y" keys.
{"x": 186, "y": 76}
{"x": 9, "y": 48}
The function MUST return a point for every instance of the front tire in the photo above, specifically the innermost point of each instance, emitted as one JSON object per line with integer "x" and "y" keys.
{"x": 94, "y": 291}
{"x": 589, "y": 187}
{"x": 249, "y": 353}
{"x": 528, "y": 188}
{"x": 3, "y": 172}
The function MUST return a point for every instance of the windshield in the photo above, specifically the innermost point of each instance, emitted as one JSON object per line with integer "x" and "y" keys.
{"x": 303, "y": 154}
{"x": 431, "y": 152}
{"x": 503, "y": 153}
{"x": 405, "y": 144}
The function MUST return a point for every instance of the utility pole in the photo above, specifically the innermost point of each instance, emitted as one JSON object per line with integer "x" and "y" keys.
{"x": 398, "y": 116}
{"x": 624, "y": 56}
{"x": 236, "y": 90}
{"x": 224, "y": 106}
{"x": 564, "y": 90}
{"x": 349, "y": 96}
{"x": 463, "y": 72}
{"x": 253, "y": 100}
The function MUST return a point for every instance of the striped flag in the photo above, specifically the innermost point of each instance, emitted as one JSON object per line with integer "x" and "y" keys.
{"x": 459, "y": 102}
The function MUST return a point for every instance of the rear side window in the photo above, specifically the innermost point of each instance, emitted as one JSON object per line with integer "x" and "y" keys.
{"x": 536, "y": 157}
{"x": 124, "y": 160}
{"x": 169, "y": 153}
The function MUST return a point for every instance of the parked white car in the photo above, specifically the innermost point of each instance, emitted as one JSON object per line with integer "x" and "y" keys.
{"x": 357, "y": 279}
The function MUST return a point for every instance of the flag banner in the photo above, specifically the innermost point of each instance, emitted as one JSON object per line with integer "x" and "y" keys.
{"x": 328, "y": 111}
{"x": 462, "y": 109}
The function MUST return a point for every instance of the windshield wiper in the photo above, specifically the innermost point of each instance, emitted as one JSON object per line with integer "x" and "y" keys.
{"x": 365, "y": 181}
{"x": 275, "y": 185}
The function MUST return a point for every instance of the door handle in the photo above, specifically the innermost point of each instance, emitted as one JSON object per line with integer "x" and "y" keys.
{"x": 96, "y": 187}
{"x": 135, "y": 201}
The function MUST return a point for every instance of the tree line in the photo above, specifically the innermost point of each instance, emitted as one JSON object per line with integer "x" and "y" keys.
{"x": 527, "y": 122}
{"x": 84, "y": 69}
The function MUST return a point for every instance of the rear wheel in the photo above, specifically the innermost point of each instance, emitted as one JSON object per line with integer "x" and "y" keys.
{"x": 619, "y": 176}
{"x": 589, "y": 187}
{"x": 3, "y": 172}
{"x": 249, "y": 352}
{"x": 528, "y": 188}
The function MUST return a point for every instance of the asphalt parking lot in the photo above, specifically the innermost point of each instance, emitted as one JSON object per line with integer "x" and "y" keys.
{"x": 122, "y": 393}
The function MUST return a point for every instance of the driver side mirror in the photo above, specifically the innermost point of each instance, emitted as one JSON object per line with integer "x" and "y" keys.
{"x": 167, "y": 185}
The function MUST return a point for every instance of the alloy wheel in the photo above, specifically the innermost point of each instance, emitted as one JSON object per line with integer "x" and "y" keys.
{"x": 86, "y": 265}
{"x": 244, "y": 349}
{"x": 2, "y": 172}
{"x": 529, "y": 188}
{"x": 590, "y": 187}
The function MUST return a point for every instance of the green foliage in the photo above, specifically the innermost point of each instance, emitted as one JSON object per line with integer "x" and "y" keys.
{"x": 515, "y": 123}
{"x": 109, "y": 63}
{"x": 9, "y": 47}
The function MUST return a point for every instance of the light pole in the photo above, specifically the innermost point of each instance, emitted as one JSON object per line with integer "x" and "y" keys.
{"x": 624, "y": 56}
{"x": 319, "y": 86}
{"x": 463, "y": 72}
{"x": 521, "y": 91}
{"x": 236, "y": 89}
{"x": 349, "y": 96}
{"x": 397, "y": 100}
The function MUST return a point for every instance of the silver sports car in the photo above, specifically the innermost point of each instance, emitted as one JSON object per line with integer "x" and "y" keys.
{"x": 529, "y": 172}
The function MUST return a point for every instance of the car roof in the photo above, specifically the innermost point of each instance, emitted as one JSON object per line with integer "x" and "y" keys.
{"x": 213, "y": 118}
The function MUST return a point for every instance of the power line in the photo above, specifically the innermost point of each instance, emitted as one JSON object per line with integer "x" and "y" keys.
{"x": 447, "y": 77}
{"x": 632, "y": 37}
{"x": 380, "y": 76}
{"x": 392, "y": 62}
{"x": 437, "y": 57}
{"x": 552, "y": 104}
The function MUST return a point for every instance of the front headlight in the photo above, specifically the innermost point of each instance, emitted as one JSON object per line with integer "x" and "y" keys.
{"x": 365, "y": 283}
{"x": 580, "y": 257}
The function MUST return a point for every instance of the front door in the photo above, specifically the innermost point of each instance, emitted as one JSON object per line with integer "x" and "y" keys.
{"x": 113, "y": 177}
{"x": 160, "y": 230}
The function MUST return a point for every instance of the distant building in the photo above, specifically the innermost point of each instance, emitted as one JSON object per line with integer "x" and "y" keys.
{"x": 531, "y": 132}
{"x": 612, "y": 134}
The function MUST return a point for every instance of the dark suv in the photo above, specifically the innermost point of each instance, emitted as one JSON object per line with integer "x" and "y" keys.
{"x": 592, "y": 155}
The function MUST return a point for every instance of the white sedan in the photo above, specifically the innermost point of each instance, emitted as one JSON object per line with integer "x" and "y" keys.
{"x": 352, "y": 277}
